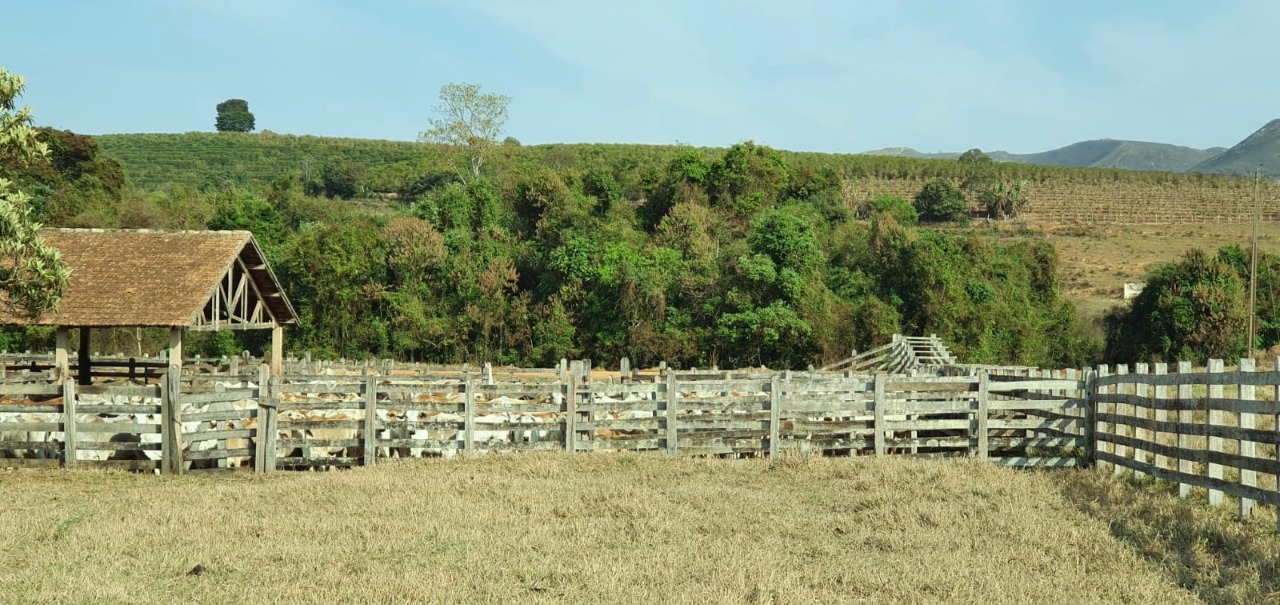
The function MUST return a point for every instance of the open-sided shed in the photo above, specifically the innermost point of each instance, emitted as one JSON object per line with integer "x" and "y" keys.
{"x": 179, "y": 280}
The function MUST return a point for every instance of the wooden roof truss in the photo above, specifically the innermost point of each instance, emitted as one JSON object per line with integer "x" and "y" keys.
{"x": 236, "y": 303}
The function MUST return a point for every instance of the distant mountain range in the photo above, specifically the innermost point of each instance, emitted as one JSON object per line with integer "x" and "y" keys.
{"x": 1259, "y": 150}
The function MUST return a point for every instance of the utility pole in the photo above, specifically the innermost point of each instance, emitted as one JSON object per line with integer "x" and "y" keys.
{"x": 1253, "y": 267}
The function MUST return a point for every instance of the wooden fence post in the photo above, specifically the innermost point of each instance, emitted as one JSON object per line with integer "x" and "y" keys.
{"x": 1247, "y": 448}
{"x": 1161, "y": 414}
{"x": 673, "y": 401}
{"x": 370, "y": 420}
{"x": 879, "y": 405}
{"x": 775, "y": 416}
{"x": 70, "y": 437}
{"x": 1185, "y": 419}
{"x": 273, "y": 416}
{"x": 1089, "y": 400}
{"x": 259, "y": 440}
{"x": 983, "y": 413}
{"x": 1275, "y": 365}
{"x": 1141, "y": 391}
{"x": 572, "y": 379}
{"x": 171, "y": 420}
{"x": 469, "y": 417}
{"x": 1214, "y": 418}
{"x": 1124, "y": 412}
{"x": 1101, "y": 429}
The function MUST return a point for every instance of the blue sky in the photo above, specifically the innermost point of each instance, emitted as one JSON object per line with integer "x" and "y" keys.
{"x": 842, "y": 76}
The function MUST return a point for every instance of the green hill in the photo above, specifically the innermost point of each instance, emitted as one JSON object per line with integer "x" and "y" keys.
{"x": 1259, "y": 151}
{"x": 1099, "y": 153}
{"x": 203, "y": 159}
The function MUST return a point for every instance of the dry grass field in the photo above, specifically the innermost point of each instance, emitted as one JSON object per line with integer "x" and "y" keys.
{"x": 614, "y": 528}
{"x": 1096, "y": 260}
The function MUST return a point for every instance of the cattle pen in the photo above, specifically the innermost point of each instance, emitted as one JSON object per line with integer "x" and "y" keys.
{"x": 1207, "y": 429}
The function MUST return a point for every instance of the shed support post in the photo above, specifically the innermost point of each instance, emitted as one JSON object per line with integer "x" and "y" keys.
{"x": 277, "y": 349}
{"x": 85, "y": 369}
{"x": 61, "y": 365}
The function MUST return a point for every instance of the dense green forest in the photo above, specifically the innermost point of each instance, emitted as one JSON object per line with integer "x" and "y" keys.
{"x": 695, "y": 256}
{"x": 742, "y": 256}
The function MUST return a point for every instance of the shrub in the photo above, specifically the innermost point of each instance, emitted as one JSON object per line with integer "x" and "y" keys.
{"x": 901, "y": 210}
{"x": 940, "y": 200}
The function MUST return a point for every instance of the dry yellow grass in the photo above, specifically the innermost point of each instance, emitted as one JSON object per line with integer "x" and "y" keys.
{"x": 575, "y": 529}
{"x": 1096, "y": 260}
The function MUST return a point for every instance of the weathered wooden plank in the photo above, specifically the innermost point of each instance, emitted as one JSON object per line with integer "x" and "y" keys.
{"x": 1032, "y": 385}
{"x": 1190, "y": 403}
{"x": 217, "y": 454}
{"x": 422, "y": 389}
{"x": 109, "y": 408}
{"x": 51, "y": 389}
{"x": 321, "y": 443}
{"x": 1185, "y": 417}
{"x": 325, "y": 388}
{"x": 1048, "y": 443}
{"x": 1188, "y": 479}
{"x": 1196, "y": 378}
{"x": 1024, "y": 462}
{"x": 629, "y": 406}
{"x": 1036, "y": 424}
{"x": 1262, "y": 465}
{"x": 30, "y": 463}
{"x": 709, "y": 387}
{"x": 426, "y": 444}
{"x": 219, "y": 435}
{"x": 32, "y": 409}
{"x": 218, "y": 416}
{"x": 315, "y": 405}
{"x": 117, "y": 446}
{"x": 695, "y": 424}
{"x": 983, "y": 415}
{"x": 937, "y": 385}
{"x": 227, "y": 396}
{"x": 643, "y": 424}
{"x": 925, "y": 424}
{"x": 672, "y": 405}
{"x": 1215, "y": 418}
{"x": 1247, "y": 449}
{"x": 1064, "y": 405}
{"x": 524, "y": 408}
{"x": 879, "y": 436}
{"x": 370, "y": 433}
{"x": 818, "y": 427}
{"x": 119, "y": 428}
{"x": 151, "y": 390}
{"x": 56, "y": 427}
{"x": 126, "y": 465}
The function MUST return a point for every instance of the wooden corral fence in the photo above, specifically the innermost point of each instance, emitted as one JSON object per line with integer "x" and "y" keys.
{"x": 1208, "y": 429}
{"x": 174, "y": 426}
{"x": 193, "y": 422}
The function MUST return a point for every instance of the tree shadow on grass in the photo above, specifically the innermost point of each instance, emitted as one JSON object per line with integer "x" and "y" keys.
{"x": 1206, "y": 550}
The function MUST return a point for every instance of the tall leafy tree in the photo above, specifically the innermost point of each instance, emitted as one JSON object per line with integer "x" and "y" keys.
{"x": 234, "y": 116}
{"x": 32, "y": 275}
{"x": 468, "y": 119}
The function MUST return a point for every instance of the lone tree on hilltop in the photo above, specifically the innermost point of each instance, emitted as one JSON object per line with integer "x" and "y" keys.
{"x": 468, "y": 119}
{"x": 32, "y": 275}
{"x": 234, "y": 116}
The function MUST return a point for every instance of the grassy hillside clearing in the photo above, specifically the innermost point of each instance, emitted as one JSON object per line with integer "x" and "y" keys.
{"x": 624, "y": 529}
